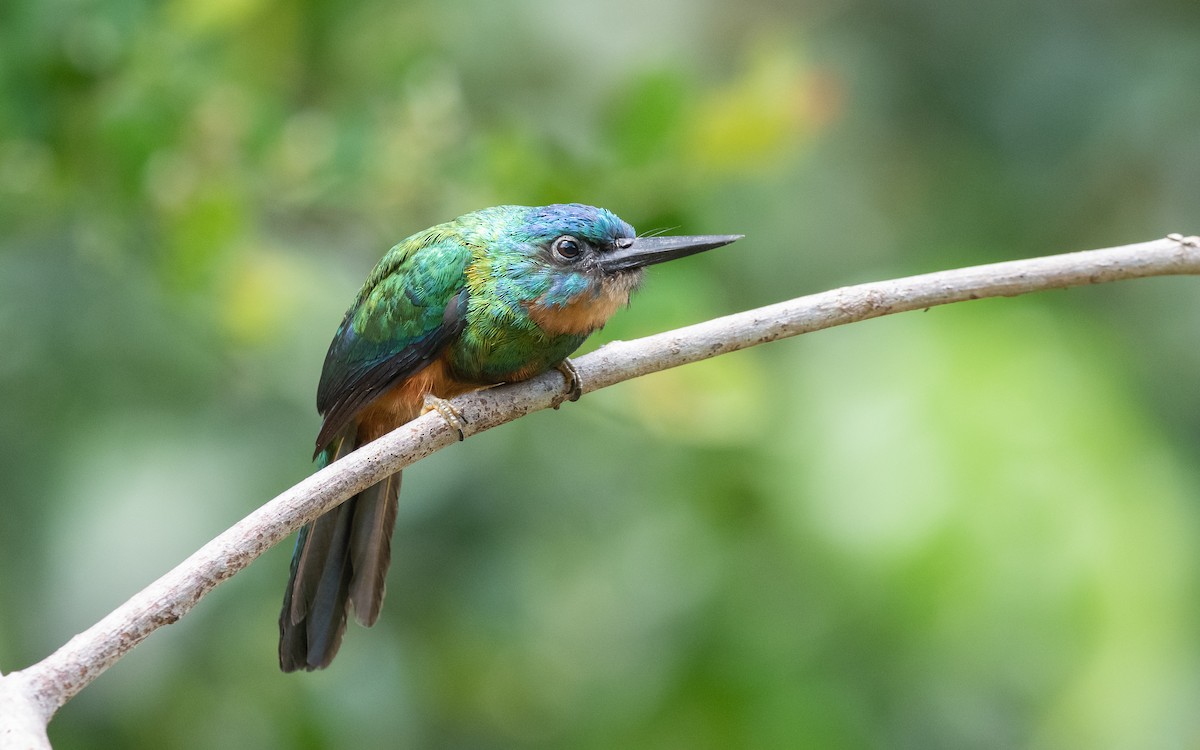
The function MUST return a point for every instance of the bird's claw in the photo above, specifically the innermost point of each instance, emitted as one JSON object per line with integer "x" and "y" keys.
{"x": 574, "y": 384}
{"x": 452, "y": 416}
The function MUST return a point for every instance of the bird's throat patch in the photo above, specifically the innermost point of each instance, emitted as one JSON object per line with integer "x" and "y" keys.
{"x": 584, "y": 314}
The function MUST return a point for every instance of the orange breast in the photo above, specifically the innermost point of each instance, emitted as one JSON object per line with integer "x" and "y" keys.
{"x": 405, "y": 400}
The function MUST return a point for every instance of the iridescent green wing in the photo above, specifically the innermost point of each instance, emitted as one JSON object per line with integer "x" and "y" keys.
{"x": 411, "y": 307}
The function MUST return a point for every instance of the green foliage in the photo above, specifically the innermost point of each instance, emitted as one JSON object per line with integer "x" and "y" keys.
{"x": 970, "y": 528}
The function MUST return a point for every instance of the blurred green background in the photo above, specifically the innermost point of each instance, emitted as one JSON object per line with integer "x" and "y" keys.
{"x": 971, "y": 528}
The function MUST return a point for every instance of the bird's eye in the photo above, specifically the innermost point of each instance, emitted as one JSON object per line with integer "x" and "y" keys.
{"x": 567, "y": 247}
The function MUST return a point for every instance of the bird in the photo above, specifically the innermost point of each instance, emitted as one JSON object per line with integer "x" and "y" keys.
{"x": 497, "y": 295}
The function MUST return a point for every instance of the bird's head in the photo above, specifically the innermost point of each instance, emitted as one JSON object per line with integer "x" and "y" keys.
{"x": 573, "y": 265}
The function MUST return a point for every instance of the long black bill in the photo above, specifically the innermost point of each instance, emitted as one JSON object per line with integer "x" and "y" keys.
{"x": 635, "y": 252}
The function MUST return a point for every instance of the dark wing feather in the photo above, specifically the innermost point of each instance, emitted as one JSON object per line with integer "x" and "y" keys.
{"x": 413, "y": 305}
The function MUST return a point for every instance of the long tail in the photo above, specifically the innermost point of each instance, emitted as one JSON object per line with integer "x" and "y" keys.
{"x": 340, "y": 558}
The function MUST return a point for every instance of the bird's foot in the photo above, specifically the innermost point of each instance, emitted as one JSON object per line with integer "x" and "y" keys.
{"x": 452, "y": 416}
{"x": 574, "y": 384}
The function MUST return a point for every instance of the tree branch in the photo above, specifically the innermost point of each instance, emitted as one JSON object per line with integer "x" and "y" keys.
{"x": 29, "y": 698}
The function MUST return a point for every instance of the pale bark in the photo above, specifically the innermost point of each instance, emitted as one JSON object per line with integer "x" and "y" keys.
{"x": 29, "y": 698}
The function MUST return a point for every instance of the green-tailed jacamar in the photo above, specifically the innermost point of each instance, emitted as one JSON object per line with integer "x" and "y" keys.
{"x": 494, "y": 296}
